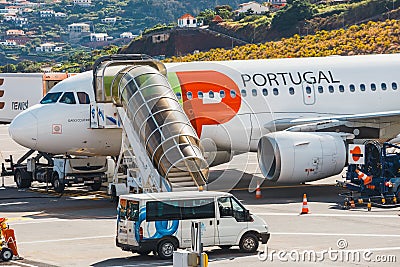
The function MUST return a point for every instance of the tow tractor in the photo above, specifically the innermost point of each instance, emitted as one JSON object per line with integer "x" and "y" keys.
{"x": 373, "y": 175}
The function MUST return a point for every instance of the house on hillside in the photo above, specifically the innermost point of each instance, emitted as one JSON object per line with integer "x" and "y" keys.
{"x": 83, "y": 2}
{"x": 127, "y": 35}
{"x": 257, "y": 8}
{"x": 15, "y": 32}
{"x": 48, "y": 47}
{"x": 79, "y": 27}
{"x": 276, "y": 2}
{"x": 98, "y": 37}
{"x": 217, "y": 19}
{"x": 109, "y": 20}
{"x": 46, "y": 13}
{"x": 77, "y": 31}
{"x": 188, "y": 21}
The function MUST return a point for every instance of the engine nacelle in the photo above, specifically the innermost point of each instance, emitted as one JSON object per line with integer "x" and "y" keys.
{"x": 217, "y": 157}
{"x": 296, "y": 157}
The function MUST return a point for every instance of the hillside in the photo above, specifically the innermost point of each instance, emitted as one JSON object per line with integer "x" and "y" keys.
{"x": 179, "y": 42}
{"x": 369, "y": 38}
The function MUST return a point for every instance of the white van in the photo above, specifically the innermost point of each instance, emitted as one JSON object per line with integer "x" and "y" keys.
{"x": 161, "y": 222}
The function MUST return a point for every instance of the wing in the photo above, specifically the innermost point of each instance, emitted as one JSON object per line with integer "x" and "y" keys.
{"x": 378, "y": 125}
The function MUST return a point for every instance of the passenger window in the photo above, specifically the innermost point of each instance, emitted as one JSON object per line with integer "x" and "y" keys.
{"x": 276, "y": 92}
{"x": 200, "y": 94}
{"x": 265, "y": 91}
{"x": 179, "y": 95}
{"x": 211, "y": 94}
{"x": 308, "y": 90}
{"x": 394, "y": 86}
{"x": 222, "y": 94}
{"x": 50, "y": 98}
{"x": 331, "y": 89}
{"x": 243, "y": 92}
{"x": 291, "y": 90}
{"x": 341, "y": 88}
{"x": 362, "y": 87}
{"x": 373, "y": 87}
{"x": 83, "y": 98}
{"x": 68, "y": 98}
{"x": 383, "y": 86}
{"x": 352, "y": 88}
{"x": 233, "y": 93}
{"x": 320, "y": 89}
{"x": 254, "y": 92}
{"x": 189, "y": 95}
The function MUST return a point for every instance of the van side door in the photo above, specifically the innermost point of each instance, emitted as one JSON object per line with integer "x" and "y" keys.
{"x": 202, "y": 210}
{"x": 230, "y": 220}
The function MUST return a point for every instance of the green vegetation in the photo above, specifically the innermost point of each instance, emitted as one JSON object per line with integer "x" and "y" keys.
{"x": 369, "y": 38}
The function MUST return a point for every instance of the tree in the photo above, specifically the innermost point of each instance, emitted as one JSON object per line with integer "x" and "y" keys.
{"x": 207, "y": 16}
{"x": 295, "y": 11}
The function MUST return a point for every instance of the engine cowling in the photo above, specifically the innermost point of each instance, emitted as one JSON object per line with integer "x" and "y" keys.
{"x": 217, "y": 157}
{"x": 296, "y": 157}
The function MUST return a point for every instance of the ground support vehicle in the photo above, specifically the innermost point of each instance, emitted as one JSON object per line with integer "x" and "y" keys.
{"x": 161, "y": 222}
{"x": 377, "y": 182}
{"x": 60, "y": 171}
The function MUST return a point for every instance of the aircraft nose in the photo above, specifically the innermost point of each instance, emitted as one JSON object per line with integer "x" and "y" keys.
{"x": 23, "y": 129}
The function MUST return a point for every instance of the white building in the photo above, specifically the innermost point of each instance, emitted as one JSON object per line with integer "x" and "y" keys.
{"x": 109, "y": 20}
{"x": 79, "y": 27}
{"x": 98, "y": 37}
{"x": 9, "y": 43}
{"x": 46, "y": 13}
{"x": 187, "y": 20}
{"x": 256, "y": 7}
{"x": 48, "y": 47}
{"x": 83, "y": 2}
{"x": 60, "y": 15}
{"x": 127, "y": 35}
{"x": 276, "y": 2}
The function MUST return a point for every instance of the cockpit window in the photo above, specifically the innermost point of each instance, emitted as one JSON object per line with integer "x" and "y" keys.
{"x": 83, "y": 98}
{"x": 50, "y": 98}
{"x": 68, "y": 98}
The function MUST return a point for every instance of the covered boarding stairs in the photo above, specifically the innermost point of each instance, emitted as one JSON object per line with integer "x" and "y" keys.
{"x": 160, "y": 148}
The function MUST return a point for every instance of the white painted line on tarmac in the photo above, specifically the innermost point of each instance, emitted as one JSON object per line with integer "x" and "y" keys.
{"x": 336, "y": 234}
{"x": 66, "y": 239}
{"x": 329, "y": 215}
{"x": 37, "y": 221}
{"x": 23, "y": 264}
{"x": 13, "y": 203}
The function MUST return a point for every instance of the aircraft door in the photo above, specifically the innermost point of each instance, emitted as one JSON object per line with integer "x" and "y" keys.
{"x": 308, "y": 93}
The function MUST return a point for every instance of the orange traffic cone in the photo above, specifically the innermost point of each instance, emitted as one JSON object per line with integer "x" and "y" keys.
{"x": 304, "y": 209}
{"x": 258, "y": 191}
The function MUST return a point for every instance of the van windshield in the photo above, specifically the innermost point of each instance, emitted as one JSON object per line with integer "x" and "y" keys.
{"x": 50, "y": 98}
{"x": 128, "y": 210}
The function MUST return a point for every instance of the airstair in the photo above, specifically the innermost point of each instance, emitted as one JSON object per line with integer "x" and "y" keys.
{"x": 160, "y": 149}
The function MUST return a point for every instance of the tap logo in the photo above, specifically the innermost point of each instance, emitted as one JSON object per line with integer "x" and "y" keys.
{"x": 209, "y": 97}
{"x": 1, "y": 94}
{"x": 356, "y": 154}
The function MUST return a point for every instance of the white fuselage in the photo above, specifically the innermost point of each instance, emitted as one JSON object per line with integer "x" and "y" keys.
{"x": 267, "y": 94}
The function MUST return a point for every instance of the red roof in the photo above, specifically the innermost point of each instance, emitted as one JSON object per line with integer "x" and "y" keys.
{"x": 187, "y": 16}
{"x": 217, "y": 19}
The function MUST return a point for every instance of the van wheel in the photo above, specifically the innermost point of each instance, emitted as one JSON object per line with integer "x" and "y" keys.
{"x": 248, "y": 243}
{"x": 22, "y": 179}
{"x": 165, "y": 249}
{"x": 57, "y": 184}
{"x": 6, "y": 254}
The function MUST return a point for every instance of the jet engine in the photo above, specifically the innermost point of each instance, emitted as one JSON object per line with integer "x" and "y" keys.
{"x": 217, "y": 157}
{"x": 296, "y": 157}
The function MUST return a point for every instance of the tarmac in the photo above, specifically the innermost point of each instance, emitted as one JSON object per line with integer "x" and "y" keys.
{"x": 78, "y": 227}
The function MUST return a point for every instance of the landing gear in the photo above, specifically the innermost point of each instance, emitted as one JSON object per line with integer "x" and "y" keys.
{"x": 57, "y": 183}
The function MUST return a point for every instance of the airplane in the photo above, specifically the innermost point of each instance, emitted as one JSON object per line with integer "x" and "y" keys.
{"x": 298, "y": 114}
